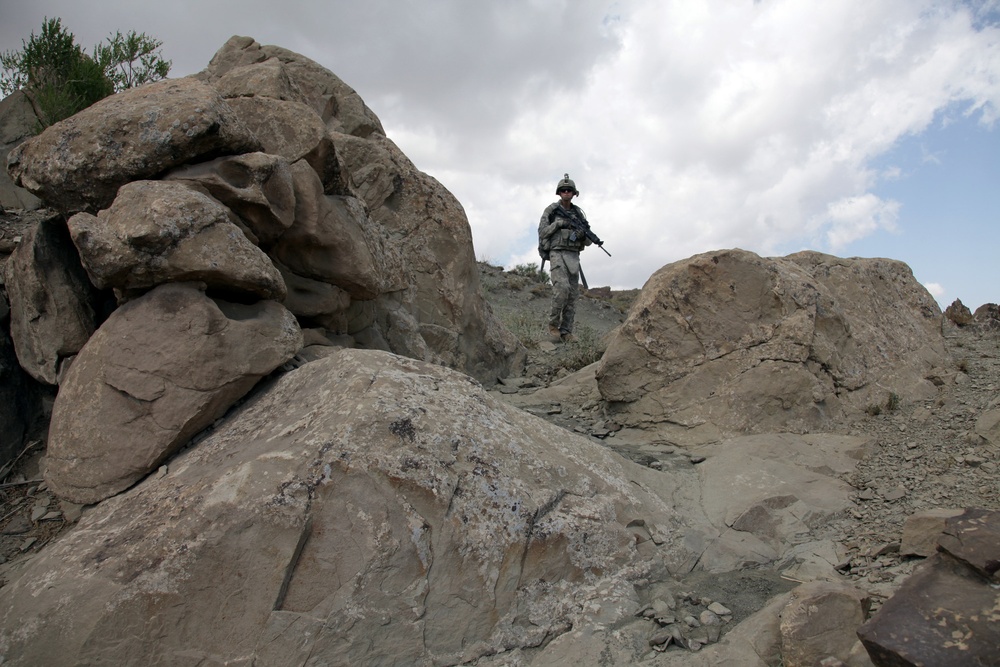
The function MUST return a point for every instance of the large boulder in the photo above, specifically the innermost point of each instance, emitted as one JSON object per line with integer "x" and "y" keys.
{"x": 945, "y": 613}
{"x": 257, "y": 187}
{"x": 160, "y": 369}
{"x": 764, "y": 497}
{"x": 18, "y": 121}
{"x": 363, "y": 509}
{"x": 438, "y": 283}
{"x": 79, "y": 163}
{"x": 52, "y": 304}
{"x": 820, "y": 621}
{"x": 287, "y": 75}
{"x": 729, "y": 342}
{"x": 454, "y": 319}
{"x": 334, "y": 240}
{"x": 158, "y": 232}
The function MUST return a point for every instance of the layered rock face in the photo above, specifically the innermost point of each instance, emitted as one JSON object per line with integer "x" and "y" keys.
{"x": 365, "y": 509}
{"x": 729, "y": 342}
{"x": 264, "y": 181}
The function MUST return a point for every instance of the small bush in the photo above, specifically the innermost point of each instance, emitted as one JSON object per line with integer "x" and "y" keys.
{"x": 963, "y": 365}
{"x": 530, "y": 271}
{"x": 585, "y": 350}
{"x": 892, "y": 404}
{"x": 874, "y": 410}
{"x": 524, "y": 326}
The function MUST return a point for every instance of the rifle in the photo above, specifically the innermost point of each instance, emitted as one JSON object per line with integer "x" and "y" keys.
{"x": 581, "y": 226}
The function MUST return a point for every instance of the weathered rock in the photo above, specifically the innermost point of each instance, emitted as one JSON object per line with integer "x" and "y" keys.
{"x": 943, "y": 614}
{"x": 922, "y": 530}
{"x": 334, "y": 240}
{"x": 256, "y": 186}
{"x": 267, "y": 78}
{"x": 988, "y": 426}
{"x": 363, "y": 509}
{"x": 987, "y": 316}
{"x": 958, "y": 313}
{"x": 764, "y": 493}
{"x": 973, "y": 538}
{"x": 821, "y": 620}
{"x": 294, "y": 131}
{"x": 313, "y": 298}
{"x": 79, "y": 163}
{"x": 18, "y": 121}
{"x": 424, "y": 222}
{"x": 731, "y": 342}
{"x": 436, "y": 241}
{"x": 160, "y": 369}
{"x": 52, "y": 302}
{"x": 340, "y": 107}
{"x": 157, "y": 232}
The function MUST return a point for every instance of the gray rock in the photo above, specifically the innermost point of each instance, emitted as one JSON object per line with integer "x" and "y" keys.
{"x": 943, "y": 614}
{"x": 921, "y": 531}
{"x": 363, "y": 507}
{"x": 18, "y": 121}
{"x": 745, "y": 344}
{"x": 79, "y": 163}
{"x": 52, "y": 302}
{"x": 340, "y": 107}
{"x": 159, "y": 232}
{"x": 159, "y": 370}
{"x": 820, "y": 620}
{"x": 335, "y": 241}
{"x": 257, "y": 187}
{"x": 973, "y": 538}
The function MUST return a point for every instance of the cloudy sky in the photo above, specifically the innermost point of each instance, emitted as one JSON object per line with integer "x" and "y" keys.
{"x": 853, "y": 127}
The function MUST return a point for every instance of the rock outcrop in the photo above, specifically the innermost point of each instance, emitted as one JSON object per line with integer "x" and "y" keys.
{"x": 79, "y": 163}
{"x": 958, "y": 313}
{"x": 54, "y": 308}
{"x": 946, "y": 612}
{"x": 267, "y": 180}
{"x": 729, "y": 342}
{"x": 362, "y": 508}
{"x": 163, "y": 367}
{"x": 18, "y": 121}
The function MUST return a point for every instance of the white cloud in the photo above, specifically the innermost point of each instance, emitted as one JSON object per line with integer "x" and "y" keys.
{"x": 738, "y": 124}
{"x": 936, "y": 290}
{"x": 689, "y": 125}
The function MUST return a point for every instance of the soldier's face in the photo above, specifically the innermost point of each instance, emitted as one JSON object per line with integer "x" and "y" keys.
{"x": 566, "y": 194}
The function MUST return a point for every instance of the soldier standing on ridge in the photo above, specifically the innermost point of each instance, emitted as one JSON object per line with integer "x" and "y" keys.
{"x": 563, "y": 243}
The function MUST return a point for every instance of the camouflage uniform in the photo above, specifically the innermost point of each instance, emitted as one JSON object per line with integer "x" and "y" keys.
{"x": 564, "y": 260}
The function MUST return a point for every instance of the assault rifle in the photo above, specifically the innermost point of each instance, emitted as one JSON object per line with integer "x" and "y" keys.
{"x": 580, "y": 226}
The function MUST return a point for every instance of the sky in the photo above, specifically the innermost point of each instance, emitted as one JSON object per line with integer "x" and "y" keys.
{"x": 858, "y": 128}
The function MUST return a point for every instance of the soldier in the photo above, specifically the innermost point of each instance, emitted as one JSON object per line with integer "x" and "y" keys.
{"x": 563, "y": 244}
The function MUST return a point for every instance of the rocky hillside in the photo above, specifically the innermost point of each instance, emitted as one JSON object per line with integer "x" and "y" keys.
{"x": 943, "y": 452}
{"x": 261, "y": 406}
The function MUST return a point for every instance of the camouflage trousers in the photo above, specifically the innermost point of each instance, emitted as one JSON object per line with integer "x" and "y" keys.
{"x": 565, "y": 272}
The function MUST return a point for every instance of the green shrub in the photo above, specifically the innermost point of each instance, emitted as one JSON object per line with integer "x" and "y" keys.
{"x": 530, "y": 271}
{"x": 524, "y": 326}
{"x": 585, "y": 350}
{"x": 61, "y": 79}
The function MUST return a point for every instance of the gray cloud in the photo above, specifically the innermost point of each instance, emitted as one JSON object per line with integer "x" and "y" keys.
{"x": 688, "y": 125}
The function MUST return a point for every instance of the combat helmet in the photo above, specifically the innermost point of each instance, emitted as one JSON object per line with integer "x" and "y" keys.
{"x": 567, "y": 182}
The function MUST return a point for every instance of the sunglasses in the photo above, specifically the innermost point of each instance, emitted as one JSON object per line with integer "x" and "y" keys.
{"x": 565, "y": 189}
